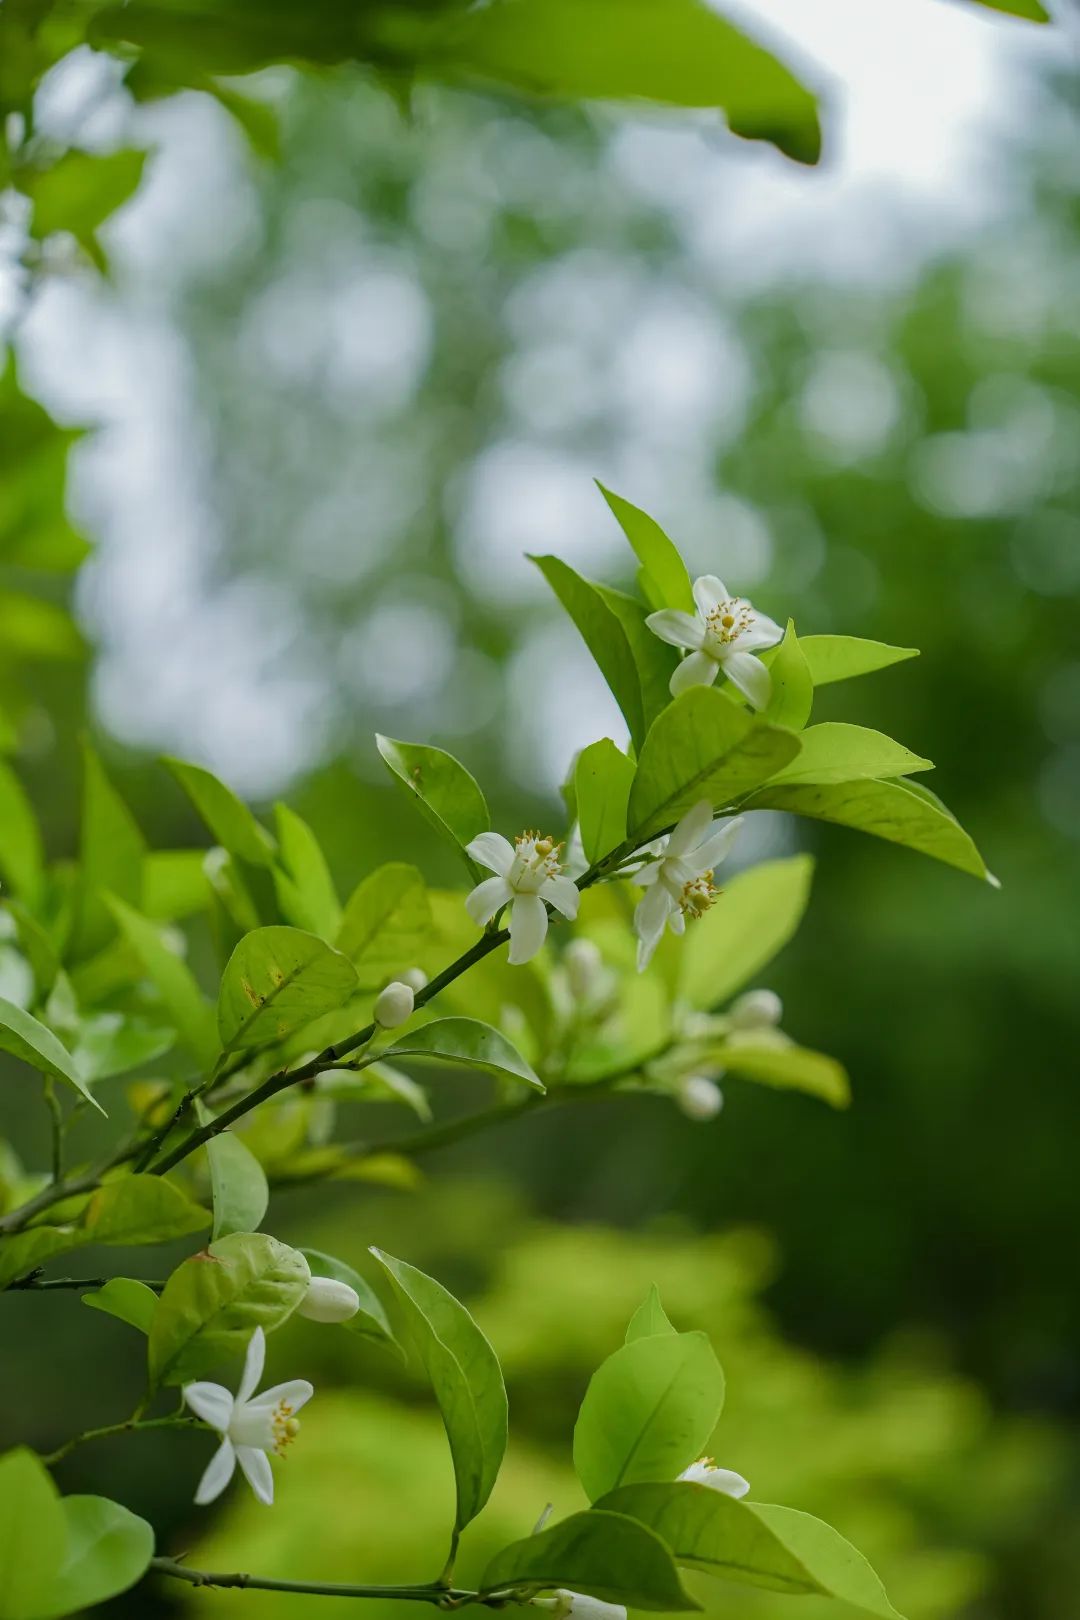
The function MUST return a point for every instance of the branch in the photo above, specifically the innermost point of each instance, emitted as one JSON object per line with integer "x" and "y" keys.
{"x": 39, "y": 1284}
{"x": 443, "y": 1597}
{"x": 174, "y": 1421}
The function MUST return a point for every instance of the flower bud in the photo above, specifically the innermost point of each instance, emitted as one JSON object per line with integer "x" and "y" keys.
{"x": 415, "y": 978}
{"x": 705, "y": 1472}
{"x": 329, "y": 1301}
{"x": 583, "y": 964}
{"x": 584, "y": 1608}
{"x": 394, "y": 1005}
{"x": 699, "y": 1097}
{"x": 757, "y": 1009}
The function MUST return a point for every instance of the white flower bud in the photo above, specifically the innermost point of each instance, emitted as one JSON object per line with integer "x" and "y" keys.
{"x": 415, "y": 978}
{"x": 705, "y": 1472}
{"x": 394, "y": 1005}
{"x": 583, "y": 1607}
{"x": 757, "y": 1009}
{"x": 329, "y": 1301}
{"x": 699, "y": 1097}
{"x": 583, "y": 964}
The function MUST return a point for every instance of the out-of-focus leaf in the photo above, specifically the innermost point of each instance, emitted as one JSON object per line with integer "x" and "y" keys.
{"x": 108, "y": 1550}
{"x": 31, "y": 627}
{"x": 465, "y": 1376}
{"x": 305, "y": 888}
{"x": 33, "y": 1535}
{"x": 1031, "y": 10}
{"x": 22, "y": 860}
{"x": 446, "y": 795}
{"x": 604, "y": 1555}
{"x": 469, "y": 1044}
{"x": 276, "y": 981}
{"x": 213, "y": 1303}
{"x": 386, "y": 921}
{"x": 34, "y": 529}
{"x": 108, "y": 1044}
{"x": 789, "y": 1067}
{"x": 111, "y": 855}
{"x": 174, "y": 982}
{"x": 25, "y": 1038}
{"x": 835, "y": 752}
{"x": 602, "y": 779}
{"x": 754, "y": 917}
{"x": 227, "y": 816}
{"x": 80, "y": 192}
{"x": 174, "y": 883}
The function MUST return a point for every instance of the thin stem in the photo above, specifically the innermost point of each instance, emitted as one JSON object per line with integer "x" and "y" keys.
{"x": 128, "y": 1426}
{"x": 56, "y": 1114}
{"x": 38, "y": 1284}
{"x": 444, "y": 1597}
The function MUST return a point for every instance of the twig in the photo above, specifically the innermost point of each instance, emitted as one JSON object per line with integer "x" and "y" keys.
{"x": 129, "y": 1426}
{"x": 443, "y": 1596}
{"x": 37, "y": 1283}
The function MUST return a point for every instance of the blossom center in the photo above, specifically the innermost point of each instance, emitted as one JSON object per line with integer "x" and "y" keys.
{"x": 726, "y": 622}
{"x": 697, "y": 895}
{"x": 272, "y": 1429}
{"x": 536, "y": 858}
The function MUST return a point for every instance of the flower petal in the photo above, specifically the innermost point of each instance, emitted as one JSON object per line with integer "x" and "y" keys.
{"x": 647, "y": 874}
{"x": 218, "y": 1473}
{"x": 709, "y": 592}
{"x": 696, "y": 669}
{"x": 253, "y": 1366}
{"x": 750, "y": 676}
{"x": 295, "y": 1394}
{"x": 680, "y": 629}
{"x": 762, "y": 632}
{"x": 257, "y": 1472}
{"x": 492, "y": 850}
{"x": 210, "y": 1402}
{"x": 691, "y": 829}
{"x": 528, "y": 928}
{"x": 709, "y": 854}
{"x": 677, "y": 923}
{"x": 486, "y": 899}
{"x": 564, "y": 895}
{"x": 650, "y": 915}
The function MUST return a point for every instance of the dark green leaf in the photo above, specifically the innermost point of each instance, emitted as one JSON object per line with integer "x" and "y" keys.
{"x": 654, "y": 660}
{"x": 370, "y": 1321}
{"x": 228, "y": 818}
{"x": 447, "y": 796}
{"x": 603, "y": 634}
{"x": 664, "y": 579}
{"x": 238, "y": 1185}
{"x": 276, "y": 981}
{"x": 604, "y": 1555}
{"x": 386, "y": 923}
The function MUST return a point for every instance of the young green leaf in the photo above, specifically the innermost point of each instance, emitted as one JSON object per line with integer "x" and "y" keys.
{"x": 276, "y": 981}
{"x": 465, "y": 1376}
{"x": 792, "y": 694}
{"x": 649, "y": 1319}
{"x": 755, "y": 916}
{"x": 127, "y": 1299}
{"x": 140, "y": 1209}
{"x": 108, "y": 1550}
{"x": 836, "y": 752}
{"x": 840, "y": 658}
{"x": 603, "y": 634}
{"x": 663, "y": 577}
{"x": 22, "y": 858}
{"x": 305, "y": 889}
{"x": 469, "y": 1044}
{"x": 174, "y": 883}
{"x": 111, "y": 856}
{"x": 173, "y": 980}
{"x": 25, "y": 1038}
{"x": 238, "y": 1185}
{"x": 33, "y": 1535}
{"x": 107, "y": 1044}
{"x": 771, "y": 1547}
{"x": 654, "y": 660}
{"x": 895, "y": 811}
{"x": 787, "y": 1066}
{"x": 227, "y": 816}
{"x": 213, "y": 1303}
{"x": 386, "y": 923}
{"x": 604, "y": 1555}
{"x": 648, "y": 1412}
{"x": 702, "y": 747}
{"x": 447, "y": 796}
{"x": 370, "y": 1321}
{"x": 602, "y": 779}
{"x": 80, "y": 191}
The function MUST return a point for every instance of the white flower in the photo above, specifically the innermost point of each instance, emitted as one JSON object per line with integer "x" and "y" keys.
{"x": 250, "y": 1425}
{"x": 705, "y": 1472}
{"x": 699, "y": 1097}
{"x": 723, "y": 635}
{"x": 527, "y": 873}
{"x": 394, "y": 1005}
{"x": 679, "y": 880}
{"x": 415, "y": 978}
{"x": 756, "y": 1009}
{"x": 584, "y": 1607}
{"x": 328, "y": 1300}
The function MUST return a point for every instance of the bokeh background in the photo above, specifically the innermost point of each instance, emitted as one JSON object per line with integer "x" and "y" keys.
{"x": 333, "y": 399}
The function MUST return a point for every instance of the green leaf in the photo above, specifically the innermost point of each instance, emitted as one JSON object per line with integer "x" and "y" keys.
{"x": 127, "y": 1299}
{"x": 123, "y": 1213}
{"x": 228, "y": 818}
{"x": 755, "y": 916}
{"x": 604, "y": 1555}
{"x": 305, "y": 888}
{"x": 789, "y": 1067}
{"x": 174, "y": 982}
{"x": 603, "y": 634}
{"x": 108, "y": 1550}
{"x": 79, "y": 193}
{"x": 772, "y": 1547}
{"x": 386, "y": 923}
{"x": 469, "y": 1044}
{"x": 22, "y": 859}
{"x": 702, "y": 747}
{"x": 276, "y": 981}
{"x": 213, "y": 1303}
{"x": 840, "y": 658}
{"x": 370, "y": 1321}
{"x": 683, "y": 54}
{"x": 466, "y": 1377}
{"x": 654, "y": 660}
{"x": 792, "y": 694}
{"x": 602, "y": 779}
{"x": 649, "y": 1319}
{"x": 238, "y": 1186}
{"x": 447, "y": 796}
{"x": 24, "y": 1037}
{"x": 33, "y": 1535}
{"x": 648, "y": 1412}
{"x": 111, "y": 858}
{"x": 32, "y": 627}
{"x": 663, "y": 577}
{"x": 895, "y": 811}
{"x": 835, "y": 752}
{"x": 174, "y": 883}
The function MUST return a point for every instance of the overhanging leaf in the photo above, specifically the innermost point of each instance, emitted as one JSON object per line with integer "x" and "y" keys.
{"x": 468, "y": 1043}
{"x": 604, "y": 1555}
{"x": 447, "y": 795}
{"x": 24, "y": 1037}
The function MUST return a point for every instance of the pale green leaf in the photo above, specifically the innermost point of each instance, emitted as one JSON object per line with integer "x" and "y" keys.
{"x": 174, "y": 982}
{"x": 305, "y": 888}
{"x": 108, "y": 1550}
{"x": 276, "y": 981}
{"x": 111, "y": 856}
{"x": 25, "y": 1038}
{"x": 127, "y": 1299}
{"x": 602, "y": 779}
{"x": 386, "y": 923}
{"x": 756, "y": 914}
{"x": 840, "y": 658}
{"x": 22, "y": 859}
{"x": 792, "y": 694}
{"x": 370, "y": 1321}
{"x": 836, "y": 752}
{"x": 781, "y": 1063}
{"x": 238, "y": 1186}
{"x": 664, "y": 578}
{"x": 649, "y": 1319}
{"x": 469, "y": 1044}
{"x": 33, "y": 1535}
